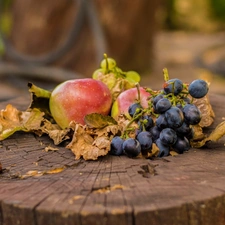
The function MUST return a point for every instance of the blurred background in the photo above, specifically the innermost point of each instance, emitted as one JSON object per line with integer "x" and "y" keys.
{"x": 47, "y": 42}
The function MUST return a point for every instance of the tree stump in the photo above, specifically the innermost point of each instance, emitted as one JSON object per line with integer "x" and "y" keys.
{"x": 39, "y": 187}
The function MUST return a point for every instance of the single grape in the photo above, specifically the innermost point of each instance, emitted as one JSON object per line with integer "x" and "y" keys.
{"x": 161, "y": 122}
{"x": 146, "y": 123}
{"x": 184, "y": 129}
{"x": 157, "y": 98}
{"x": 190, "y": 135}
{"x": 181, "y": 145}
{"x": 96, "y": 73}
{"x": 108, "y": 64}
{"x": 174, "y": 117}
{"x": 180, "y": 106}
{"x": 163, "y": 105}
{"x": 134, "y": 109}
{"x": 168, "y": 136}
{"x": 192, "y": 114}
{"x": 174, "y": 86}
{"x": 145, "y": 140}
{"x": 182, "y": 102}
{"x": 133, "y": 77}
{"x": 163, "y": 149}
{"x": 116, "y": 146}
{"x": 198, "y": 88}
{"x": 131, "y": 147}
{"x": 186, "y": 100}
{"x": 155, "y": 132}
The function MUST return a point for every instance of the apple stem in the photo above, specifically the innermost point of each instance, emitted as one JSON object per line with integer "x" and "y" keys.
{"x": 138, "y": 91}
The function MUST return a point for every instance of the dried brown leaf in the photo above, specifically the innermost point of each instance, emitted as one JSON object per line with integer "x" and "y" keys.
{"x": 50, "y": 148}
{"x": 12, "y": 120}
{"x": 215, "y": 135}
{"x": 90, "y": 143}
{"x": 218, "y": 133}
{"x": 207, "y": 112}
{"x": 57, "y": 134}
{"x": 37, "y": 173}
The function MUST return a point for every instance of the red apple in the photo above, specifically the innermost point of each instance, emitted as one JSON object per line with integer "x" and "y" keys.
{"x": 126, "y": 98}
{"x": 74, "y": 99}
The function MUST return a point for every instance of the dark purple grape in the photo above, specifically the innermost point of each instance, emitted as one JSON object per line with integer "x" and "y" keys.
{"x": 146, "y": 123}
{"x": 187, "y": 100}
{"x": 184, "y": 101}
{"x": 155, "y": 132}
{"x": 162, "y": 105}
{"x": 163, "y": 149}
{"x": 198, "y": 88}
{"x": 116, "y": 146}
{"x": 131, "y": 147}
{"x": 145, "y": 140}
{"x": 134, "y": 108}
{"x": 180, "y": 106}
{"x": 157, "y": 98}
{"x": 168, "y": 136}
{"x": 190, "y": 135}
{"x": 174, "y": 117}
{"x": 161, "y": 122}
{"x": 184, "y": 129}
{"x": 174, "y": 86}
{"x": 181, "y": 145}
{"x": 192, "y": 114}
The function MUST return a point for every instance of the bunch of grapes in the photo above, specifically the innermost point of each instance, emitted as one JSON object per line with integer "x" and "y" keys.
{"x": 167, "y": 122}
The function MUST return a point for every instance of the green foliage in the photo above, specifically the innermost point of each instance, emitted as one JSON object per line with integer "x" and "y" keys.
{"x": 218, "y": 9}
{"x": 2, "y": 47}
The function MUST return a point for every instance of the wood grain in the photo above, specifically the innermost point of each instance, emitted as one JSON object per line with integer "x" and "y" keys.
{"x": 187, "y": 189}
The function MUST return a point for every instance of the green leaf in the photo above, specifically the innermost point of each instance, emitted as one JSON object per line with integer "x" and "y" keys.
{"x": 96, "y": 120}
{"x": 40, "y": 99}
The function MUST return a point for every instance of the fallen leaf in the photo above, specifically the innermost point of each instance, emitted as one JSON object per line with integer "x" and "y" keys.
{"x": 57, "y": 134}
{"x": 96, "y": 120}
{"x": 206, "y": 110}
{"x": 218, "y": 133}
{"x": 90, "y": 143}
{"x": 214, "y": 136}
{"x": 108, "y": 189}
{"x": 50, "y": 148}
{"x": 12, "y": 120}
{"x": 55, "y": 170}
{"x": 37, "y": 173}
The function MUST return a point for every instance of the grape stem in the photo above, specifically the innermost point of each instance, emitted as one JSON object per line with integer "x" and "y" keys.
{"x": 107, "y": 64}
{"x": 128, "y": 128}
{"x": 166, "y": 74}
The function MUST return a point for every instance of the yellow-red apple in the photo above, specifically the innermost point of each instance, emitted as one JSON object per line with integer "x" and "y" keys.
{"x": 72, "y": 100}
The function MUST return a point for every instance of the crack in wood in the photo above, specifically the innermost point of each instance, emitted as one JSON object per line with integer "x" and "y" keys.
{"x": 148, "y": 170}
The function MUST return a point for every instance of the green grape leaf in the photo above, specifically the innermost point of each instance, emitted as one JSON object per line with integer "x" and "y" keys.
{"x": 96, "y": 120}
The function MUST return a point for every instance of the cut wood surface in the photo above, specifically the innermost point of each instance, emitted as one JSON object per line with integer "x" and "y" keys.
{"x": 39, "y": 187}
